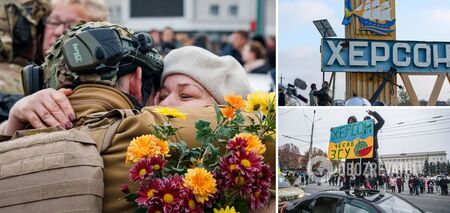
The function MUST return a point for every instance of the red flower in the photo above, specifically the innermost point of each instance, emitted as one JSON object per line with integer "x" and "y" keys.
{"x": 124, "y": 188}
{"x": 236, "y": 144}
{"x": 233, "y": 178}
{"x": 191, "y": 204}
{"x": 264, "y": 177}
{"x": 148, "y": 193}
{"x": 248, "y": 163}
{"x": 141, "y": 170}
{"x": 258, "y": 197}
{"x": 171, "y": 193}
{"x": 157, "y": 163}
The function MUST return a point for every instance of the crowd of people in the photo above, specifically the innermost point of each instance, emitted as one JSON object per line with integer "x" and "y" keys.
{"x": 256, "y": 53}
{"x": 322, "y": 97}
{"x": 192, "y": 78}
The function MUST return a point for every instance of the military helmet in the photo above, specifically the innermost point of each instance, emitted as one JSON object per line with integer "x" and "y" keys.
{"x": 99, "y": 53}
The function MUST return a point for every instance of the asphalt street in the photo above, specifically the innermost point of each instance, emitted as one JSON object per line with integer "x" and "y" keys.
{"x": 427, "y": 202}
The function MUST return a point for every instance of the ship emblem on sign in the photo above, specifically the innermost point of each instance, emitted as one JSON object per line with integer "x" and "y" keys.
{"x": 374, "y": 15}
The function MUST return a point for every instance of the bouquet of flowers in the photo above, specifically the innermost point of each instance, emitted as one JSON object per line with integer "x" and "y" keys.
{"x": 227, "y": 173}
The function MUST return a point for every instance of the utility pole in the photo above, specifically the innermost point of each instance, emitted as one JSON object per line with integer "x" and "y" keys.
{"x": 312, "y": 138}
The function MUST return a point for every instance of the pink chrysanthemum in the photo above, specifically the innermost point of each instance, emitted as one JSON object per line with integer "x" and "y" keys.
{"x": 236, "y": 144}
{"x": 141, "y": 170}
{"x": 171, "y": 194}
{"x": 258, "y": 197}
{"x": 248, "y": 163}
{"x": 264, "y": 177}
{"x": 157, "y": 163}
{"x": 191, "y": 204}
{"x": 147, "y": 194}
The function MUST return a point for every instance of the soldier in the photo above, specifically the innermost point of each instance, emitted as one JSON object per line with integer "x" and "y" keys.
{"x": 126, "y": 88}
{"x": 26, "y": 34}
{"x": 21, "y": 29}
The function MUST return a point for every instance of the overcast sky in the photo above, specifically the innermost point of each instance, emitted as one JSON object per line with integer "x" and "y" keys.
{"x": 299, "y": 40}
{"x": 405, "y": 130}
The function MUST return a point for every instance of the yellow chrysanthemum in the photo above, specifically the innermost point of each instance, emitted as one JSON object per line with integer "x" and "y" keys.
{"x": 228, "y": 112}
{"x": 254, "y": 144}
{"x": 146, "y": 146}
{"x": 228, "y": 209}
{"x": 235, "y": 101}
{"x": 260, "y": 101}
{"x": 201, "y": 182}
{"x": 170, "y": 112}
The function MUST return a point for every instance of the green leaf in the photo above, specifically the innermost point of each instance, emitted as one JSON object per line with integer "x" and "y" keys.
{"x": 219, "y": 115}
{"x": 225, "y": 132}
{"x": 204, "y": 131}
{"x": 239, "y": 118}
{"x": 140, "y": 210}
{"x": 241, "y": 206}
{"x": 180, "y": 146}
{"x": 131, "y": 197}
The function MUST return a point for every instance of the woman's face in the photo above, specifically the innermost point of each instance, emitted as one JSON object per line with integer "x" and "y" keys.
{"x": 179, "y": 90}
{"x": 63, "y": 15}
{"x": 247, "y": 55}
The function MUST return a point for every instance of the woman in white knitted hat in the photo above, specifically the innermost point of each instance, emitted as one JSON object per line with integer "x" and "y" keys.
{"x": 194, "y": 76}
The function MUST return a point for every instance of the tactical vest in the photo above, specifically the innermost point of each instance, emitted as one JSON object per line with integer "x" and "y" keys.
{"x": 56, "y": 170}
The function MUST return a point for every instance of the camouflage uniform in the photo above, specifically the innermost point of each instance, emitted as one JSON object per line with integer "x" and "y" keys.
{"x": 21, "y": 29}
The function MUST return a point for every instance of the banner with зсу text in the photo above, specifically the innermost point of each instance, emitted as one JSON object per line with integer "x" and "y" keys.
{"x": 351, "y": 141}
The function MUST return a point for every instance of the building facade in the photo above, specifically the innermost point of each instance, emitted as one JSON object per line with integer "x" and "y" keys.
{"x": 192, "y": 15}
{"x": 410, "y": 163}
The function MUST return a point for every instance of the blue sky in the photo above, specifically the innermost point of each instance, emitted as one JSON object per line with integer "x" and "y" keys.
{"x": 299, "y": 40}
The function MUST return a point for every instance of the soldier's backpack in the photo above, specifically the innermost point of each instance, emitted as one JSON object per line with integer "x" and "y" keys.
{"x": 55, "y": 170}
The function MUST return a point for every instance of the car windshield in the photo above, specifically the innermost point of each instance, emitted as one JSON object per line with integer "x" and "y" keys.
{"x": 283, "y": 182}
{"x": 396, "y": 204}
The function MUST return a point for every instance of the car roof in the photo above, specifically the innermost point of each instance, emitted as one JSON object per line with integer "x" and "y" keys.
{"x": 375, "y": 197}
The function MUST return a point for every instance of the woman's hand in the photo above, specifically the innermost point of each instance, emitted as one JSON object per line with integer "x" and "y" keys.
{"x": 45, "y": 108}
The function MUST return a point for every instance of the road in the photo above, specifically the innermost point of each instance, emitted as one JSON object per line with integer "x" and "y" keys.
{"x": 427, "y": 202}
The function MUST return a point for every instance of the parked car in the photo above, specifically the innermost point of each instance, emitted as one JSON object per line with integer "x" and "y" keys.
{"x": 287, "y": 192}
{"x": 363, "y": 201}
{"x": 438, "y": 177}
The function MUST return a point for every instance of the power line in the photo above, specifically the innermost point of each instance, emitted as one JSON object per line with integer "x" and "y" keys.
{"x": 286, "y": 112}
{"x": 286, "y": 136}
{"x": 415, "y": 132}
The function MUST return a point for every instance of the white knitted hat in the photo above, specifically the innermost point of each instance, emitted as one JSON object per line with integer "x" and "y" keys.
{"x": 219, "y": 75}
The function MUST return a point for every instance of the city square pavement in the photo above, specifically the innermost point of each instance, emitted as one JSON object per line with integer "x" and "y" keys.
{"x": 427, "y": 202}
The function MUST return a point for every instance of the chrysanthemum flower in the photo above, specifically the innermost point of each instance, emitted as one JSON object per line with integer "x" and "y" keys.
{"x": 259, "y": 197}
{"x": 170, "y": 112}
{"x": 201, "y": 182}
{"x": 231, "y": 177}
{"x": 124, "y": 188}
{"x": 264, "y": 177}
{"x": 146, "y": 146}
{"x": 157, "y": 163}
{"x": 260, "y": 101}
{"x": 228, "y": 112}
{"x": 235, "y": 101}
{"x": 171, "y": 194}
{"x": 248, "y": 163}
{"x": 227, "y": 209}
{"x": 236, "y": 143}
{"x": 141, "y": 170}
{"x": 254, "y": 144}
{"x": 147, "y": 194}
{"x": 191, "y": 204}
